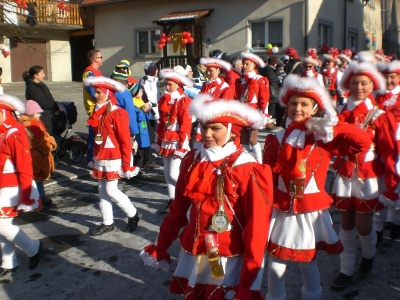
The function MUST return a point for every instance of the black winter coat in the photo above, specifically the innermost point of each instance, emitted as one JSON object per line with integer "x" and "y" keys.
{"x": 40, "y": 93}
{"x": 269, "y": 72}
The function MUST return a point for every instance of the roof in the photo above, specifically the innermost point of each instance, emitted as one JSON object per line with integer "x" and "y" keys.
{"x": 183, "y": 16}
{"x": 99, "y": 2}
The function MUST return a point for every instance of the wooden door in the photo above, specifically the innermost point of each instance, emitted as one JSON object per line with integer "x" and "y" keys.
{"x": 25, "y": 54}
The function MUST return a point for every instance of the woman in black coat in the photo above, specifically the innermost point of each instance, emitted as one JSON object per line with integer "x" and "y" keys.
{"x": 36, "y": 90}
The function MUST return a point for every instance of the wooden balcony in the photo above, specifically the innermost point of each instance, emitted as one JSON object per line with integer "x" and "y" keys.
{"x": 47, "y": 12}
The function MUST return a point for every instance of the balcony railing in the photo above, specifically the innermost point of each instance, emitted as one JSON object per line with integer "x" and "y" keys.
{"x": 46, "y": 12}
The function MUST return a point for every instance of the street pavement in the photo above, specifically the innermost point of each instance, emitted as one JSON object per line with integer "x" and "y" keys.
{"x": 75, "y": 265}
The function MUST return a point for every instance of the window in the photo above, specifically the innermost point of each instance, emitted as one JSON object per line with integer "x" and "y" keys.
{"x": 325, "y": 34}
{"x": 352, "y": 40}
{"x": 147, "y": 41}
{"x": 266, "y": 32}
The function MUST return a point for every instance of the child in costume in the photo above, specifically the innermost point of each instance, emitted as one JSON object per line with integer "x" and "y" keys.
{"x": 299, "y": 157}
{"x": 18, "y": 190}
{"x": 356, "y": 188}
{"x": 254, "y": 91}
{"x": 42, "y": 144}
{"x": 223, "y": 191}
{"x": 112, "y": 153}
{"x": 174, "y": 129}
{"x": 389, "y": 149}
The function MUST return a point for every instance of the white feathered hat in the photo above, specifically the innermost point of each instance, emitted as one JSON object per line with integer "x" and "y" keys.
{"x": 388, "y": 68}
{"x": 11, "y": 103}
{"x": 180, "y": 79}
{"x": 367, "y": 69}
{"x": 306, "y": 87}
{"x": 254, "y": 58}
{"x": 111, "y": 85}
{"x": 207, "y": 109}
{"x": 216, "y": 63}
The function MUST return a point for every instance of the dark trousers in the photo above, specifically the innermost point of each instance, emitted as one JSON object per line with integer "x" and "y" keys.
{"x": 277, "y": 112}
{"x": 152, "y": 128}
{"x": 142, "y": 157}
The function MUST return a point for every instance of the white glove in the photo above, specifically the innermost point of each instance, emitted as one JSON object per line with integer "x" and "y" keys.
{"x": 152, "y": 262}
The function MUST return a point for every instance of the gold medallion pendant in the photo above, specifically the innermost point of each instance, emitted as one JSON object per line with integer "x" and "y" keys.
{"x": 220, "y": 221}
{"x": 98, "y": 139}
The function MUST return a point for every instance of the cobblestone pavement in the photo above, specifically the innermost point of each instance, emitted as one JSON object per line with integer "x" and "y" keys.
{"x": 77, "y": 266}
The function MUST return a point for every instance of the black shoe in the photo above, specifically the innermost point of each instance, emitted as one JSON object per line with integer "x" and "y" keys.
{"x": 341, "y": 281}
{"x": 34, "y": 260}
{"x": 365, "y": 267}
{"x": 133, "y": 222}
{"x": 165, "y": 209}
{"x": 152, "y": 165}
{"x": 99, "y": 230}
{"x": 46, "y": 201}
{"x": 4, "y": 271}
{"x": 395, "y": 232}
{"x": 379, "y": 236}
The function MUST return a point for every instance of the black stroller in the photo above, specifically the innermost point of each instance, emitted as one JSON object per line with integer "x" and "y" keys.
{"x": 73, "y": 147}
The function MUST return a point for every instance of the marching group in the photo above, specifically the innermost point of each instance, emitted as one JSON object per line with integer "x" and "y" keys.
{"x": 230, "y": 202}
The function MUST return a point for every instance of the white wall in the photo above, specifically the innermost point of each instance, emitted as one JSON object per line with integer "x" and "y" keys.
{"x": 59, "y": 60}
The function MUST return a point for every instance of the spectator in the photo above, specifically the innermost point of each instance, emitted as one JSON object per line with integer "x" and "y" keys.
{"x": 95, "y": 61}
{"x": 36, "y": 90}
{"x": 41, "y": 146}
{"x": 293, "y": 66}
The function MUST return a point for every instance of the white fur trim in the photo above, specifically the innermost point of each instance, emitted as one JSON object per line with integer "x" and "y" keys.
{"x": 388, "y": 68}
{"x": 4, "y": 47}
{"x": 253, "y": 57}
{"x": 388, "y": 202}
{"x": 365, "y": 56}
{"x": 309, "y": 60}
{"x": 152, "y": 262}
{"x": 297, "y": 83}
{"x": 216, "y": 61}
{"x": 341, "y": 55}
{"x": 14, "y": 102}
{"x": 364, "y": 67}
{"x": 171, "y": 74}
{"x": 205, "y": 108}
{"x": 91, "y": 80}
{"x": 331, "y": 57}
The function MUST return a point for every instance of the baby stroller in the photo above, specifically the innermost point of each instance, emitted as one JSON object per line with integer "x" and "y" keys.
{"x": 73, "y": 147}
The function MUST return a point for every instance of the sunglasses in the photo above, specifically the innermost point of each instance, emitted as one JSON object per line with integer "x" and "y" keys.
{"x": 101, "y": 57}
{"x": 308, "y": 67}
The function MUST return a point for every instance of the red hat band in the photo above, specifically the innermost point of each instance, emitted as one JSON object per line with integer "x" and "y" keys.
{"x": 312, "y": 94}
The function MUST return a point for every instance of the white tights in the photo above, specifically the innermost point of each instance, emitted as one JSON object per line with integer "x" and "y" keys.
{"x": 11, "y": 236}
{"x": 311, "y": 289}
{"x": 171, "y": 173}
{"x": 108, "y": 191}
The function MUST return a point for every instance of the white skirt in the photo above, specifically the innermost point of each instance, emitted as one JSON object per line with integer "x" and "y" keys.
{"x": 299, "y": 233}
{"x": 196, "y": 268}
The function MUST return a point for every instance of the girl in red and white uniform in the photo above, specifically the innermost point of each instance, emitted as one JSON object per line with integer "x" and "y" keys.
{"x": 389, "y": 148}
{"x": 356, "y": 190}
{"x": 173, "y": 132}
{"x": 18, "y": 190}
{"x": 254, "y": 91}
{"x": 216, "y": 86}
{"x": 299, "y": 157}
{"x": 310, "y": 62}
{"x": 218, "y": 179}
{"x": 112, "y": 153}
{"x": 330, "y": 72}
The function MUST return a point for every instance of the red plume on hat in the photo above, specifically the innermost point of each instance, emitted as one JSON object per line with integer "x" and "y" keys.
{"x": 380, "y": 55}
{"x": 332, "y": 54}
{"x": 254, "y": 58}
{"x": 216, "y": 63}
{"x": 346, "y": 54}
{"x": 180, "y": 79}
{"x": 207, "y": 109}
{"x": 366, "y": 69}
{"x": 311, "y": 57}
